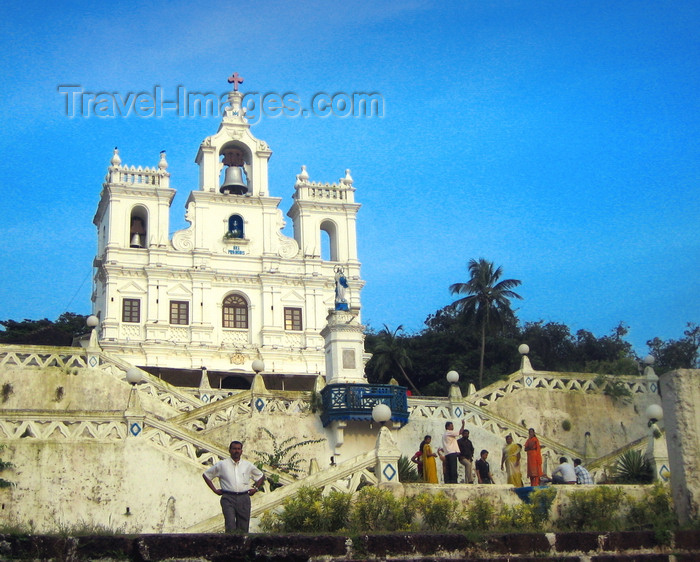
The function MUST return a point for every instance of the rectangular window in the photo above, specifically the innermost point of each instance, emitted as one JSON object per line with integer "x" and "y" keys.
{"x": 292, "y": 319}
{"x": 179, "y": 312}
{"x": 131, "y": 310}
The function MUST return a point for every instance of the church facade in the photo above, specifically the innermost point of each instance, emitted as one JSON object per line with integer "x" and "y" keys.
{"x": 231, "y": 289}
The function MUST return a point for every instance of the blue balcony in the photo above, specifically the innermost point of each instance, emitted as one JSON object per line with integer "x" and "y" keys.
{"x": 355, "y": 402}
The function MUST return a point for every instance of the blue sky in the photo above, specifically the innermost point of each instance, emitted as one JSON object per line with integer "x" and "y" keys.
{"x": 558, "y": 139}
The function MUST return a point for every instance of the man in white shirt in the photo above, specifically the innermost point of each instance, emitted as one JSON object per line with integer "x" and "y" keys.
{"x": 564, "y": 473}
{"x": 449, "y": 444}
{"x": 234, "y": 476}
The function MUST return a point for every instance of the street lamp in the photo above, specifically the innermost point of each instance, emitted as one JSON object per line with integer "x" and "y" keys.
{"x": 92, "y": 322}
{"x": 454, "y": 394}
{"x": 381, "y": 413}
{"x": 649, "y": 372}
{"x": 258, "y": 366}
{"x": 654, "y": 413}
{"x": 133, "y": 377}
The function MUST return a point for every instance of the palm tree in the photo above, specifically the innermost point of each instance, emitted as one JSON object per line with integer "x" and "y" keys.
{"x": 487, "y": 301}
{"x": 390, "y": 355}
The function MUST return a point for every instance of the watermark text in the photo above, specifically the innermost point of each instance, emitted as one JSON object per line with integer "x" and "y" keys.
{"x": 182, "y": 103}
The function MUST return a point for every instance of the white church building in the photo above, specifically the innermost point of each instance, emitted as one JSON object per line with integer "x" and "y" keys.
{"x": 231, "y": 288}
{"x": 222, "y": 332}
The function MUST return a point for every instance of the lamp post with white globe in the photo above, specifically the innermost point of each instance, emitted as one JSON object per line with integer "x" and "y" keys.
{"x": 657, "y": 448}
{"x": 92, "y": 322}
{"x": 381, "y": 413}
{"x": 385, "y": 448}
{"x": 523, "y": 350}
{"x": 649, "y": 372}
{"x": 134, "y": 413}
{"x": 133, "y": 376}
{"x": 454, "y": 393}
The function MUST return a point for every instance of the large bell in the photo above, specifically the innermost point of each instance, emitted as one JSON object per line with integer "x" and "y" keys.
{"x": 135, "y": 241}
{"x": 234, "y": 181}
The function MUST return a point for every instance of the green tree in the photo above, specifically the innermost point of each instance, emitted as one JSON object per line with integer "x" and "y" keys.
{"x": 44, "y": 332}
{"x": 677, "y": 354}
{"x": 390, "y": 355}
{"x": 487, "y": 302}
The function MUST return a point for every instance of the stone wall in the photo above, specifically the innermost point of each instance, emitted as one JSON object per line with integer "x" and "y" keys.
{"x": 680, "y": 391}
{"x": 126, "y": 485}
{"x": 611, "y": 424}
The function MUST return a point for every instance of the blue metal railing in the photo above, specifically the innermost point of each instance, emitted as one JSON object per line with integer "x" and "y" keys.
{"x": 355, "y": 402}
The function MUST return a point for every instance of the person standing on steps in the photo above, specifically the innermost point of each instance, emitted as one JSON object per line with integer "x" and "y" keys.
{"x": 234, "y": 476}
{"x": 449, "y": 444}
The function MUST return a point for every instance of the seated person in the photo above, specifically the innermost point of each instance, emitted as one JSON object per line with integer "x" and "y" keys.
{"x": 582, "y": 475}
{"x": 564, "y": 473}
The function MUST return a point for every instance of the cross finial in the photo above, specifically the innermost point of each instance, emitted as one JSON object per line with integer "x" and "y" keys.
{"x": 235, "y": 80}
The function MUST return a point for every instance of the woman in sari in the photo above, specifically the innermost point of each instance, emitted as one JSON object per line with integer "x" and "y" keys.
{"x": 429, "y": 464}
{"x": 534, "y": 458}
{"x": 511, "y": 460}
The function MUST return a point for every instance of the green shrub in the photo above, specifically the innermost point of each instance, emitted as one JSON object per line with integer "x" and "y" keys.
{"x": 302, "y": 512}
{"x": 633, "y": 468}
{"x": 438, "y": 511}
{"x": 654, "y": 510}
{"x": 615, "y": 388}
{"x": 271, "y": 522}
{"x": 336, "y": 510}
{"x": 516, "y": 518}
{"x": 566, "y": 425}
{"x": 407, "y": 471}
{"x": 598, "y": 509}
{"x": 477, "y": 516}
{"x": 308, "y": 511}
{"x": 281, "y": 458}
{"x": 541, "y": 502}
{"x": 379, "y": 510}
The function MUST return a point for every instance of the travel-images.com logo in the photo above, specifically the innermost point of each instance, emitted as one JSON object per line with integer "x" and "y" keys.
{"x": 82, "y": 103}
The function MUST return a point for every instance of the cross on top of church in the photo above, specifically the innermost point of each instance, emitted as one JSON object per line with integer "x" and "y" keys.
{"x": 235, "y": 80}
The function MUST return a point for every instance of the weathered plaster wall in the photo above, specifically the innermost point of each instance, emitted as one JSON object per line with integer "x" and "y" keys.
{"x": 63, "y": 484}
{"x": 81, "y": 389}
{"x": 611, "y": 425}
{"x": 680, "y": 391}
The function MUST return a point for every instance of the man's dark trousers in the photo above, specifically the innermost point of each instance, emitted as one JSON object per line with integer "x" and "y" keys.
{"x": 451, "y": 476}
{"x": 236, "y": 509}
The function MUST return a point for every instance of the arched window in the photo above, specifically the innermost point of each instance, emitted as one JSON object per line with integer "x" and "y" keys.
{"x": 236, "y": 162}
{"x": 329, "y": 241}
{"x": 235, "y": 227}
{"x": 235, "y": 312}
{"x": 138, "y": 227}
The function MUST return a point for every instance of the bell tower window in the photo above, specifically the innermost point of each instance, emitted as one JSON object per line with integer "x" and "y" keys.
{"x": 235, "y": 312}
{"x": 236, "y": 161}
{"x": 138, "y": 228}
{"x": 329, "y": 241}
{"x": 235, "y": 227}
